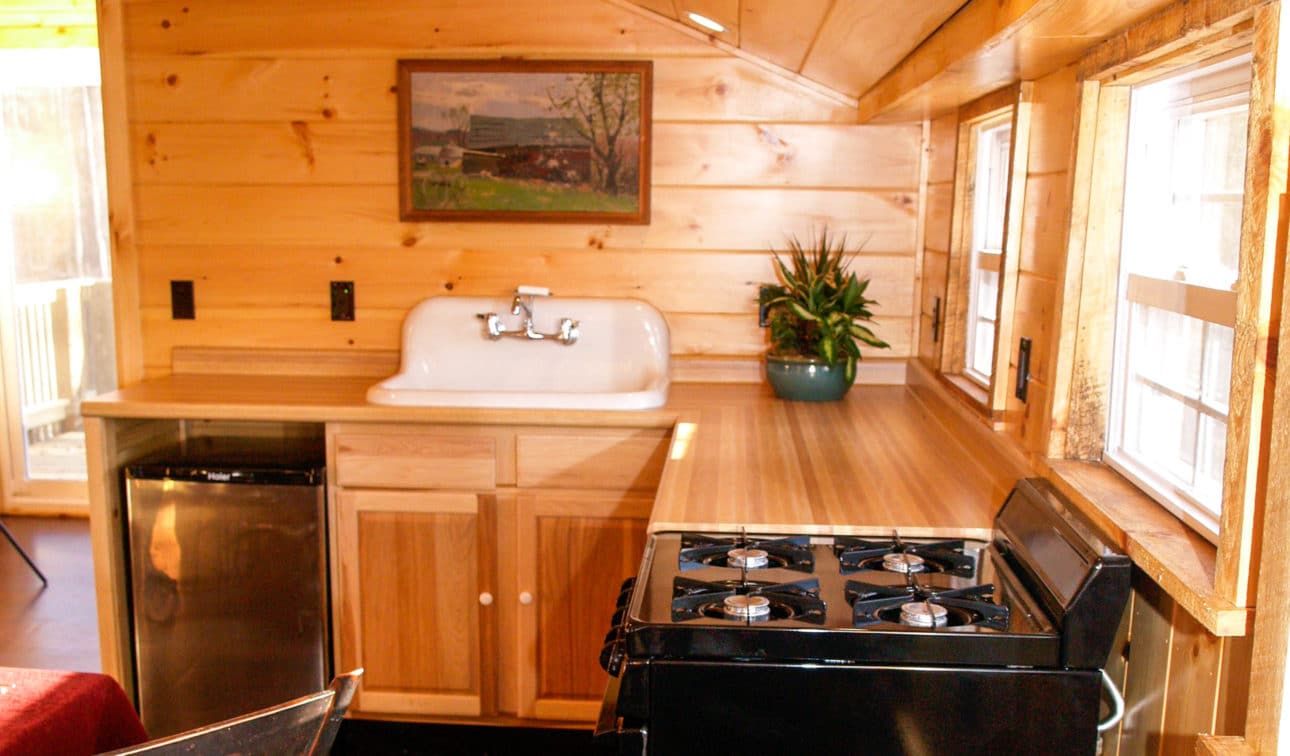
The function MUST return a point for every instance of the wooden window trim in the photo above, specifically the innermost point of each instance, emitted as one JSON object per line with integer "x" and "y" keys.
{"x": 1225, "y": 581}
{"x": 988, "y": 401}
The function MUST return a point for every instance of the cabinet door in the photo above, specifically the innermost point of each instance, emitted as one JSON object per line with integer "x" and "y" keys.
{"x": 415, "y": 586}
{"x": 574, "y": 550}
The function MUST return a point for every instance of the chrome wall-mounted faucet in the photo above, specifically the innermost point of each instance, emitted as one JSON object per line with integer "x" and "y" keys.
{"x": 522, "y": 305}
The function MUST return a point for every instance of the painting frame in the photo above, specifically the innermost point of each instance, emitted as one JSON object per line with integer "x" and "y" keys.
{"x": 560, "y": 169}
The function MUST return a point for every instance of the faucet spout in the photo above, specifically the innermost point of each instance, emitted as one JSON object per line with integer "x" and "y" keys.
{"x": 522, "y": 304}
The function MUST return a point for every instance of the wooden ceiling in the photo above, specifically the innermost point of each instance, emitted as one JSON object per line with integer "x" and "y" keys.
{"x": 914, "y": 60}
{"x": 846, "y": 45}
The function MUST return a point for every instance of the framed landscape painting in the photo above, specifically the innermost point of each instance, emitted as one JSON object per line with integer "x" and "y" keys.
{"x": 507, "y": 140}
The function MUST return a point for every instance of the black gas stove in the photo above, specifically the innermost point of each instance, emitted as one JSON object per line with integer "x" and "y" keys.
{"x": 897, "y": 644}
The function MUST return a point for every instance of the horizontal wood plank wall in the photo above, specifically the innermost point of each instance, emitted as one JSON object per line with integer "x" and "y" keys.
{"x": 941, "y": 151}
{"x": 47, "y": 23}
{"x": 264, "y": 147}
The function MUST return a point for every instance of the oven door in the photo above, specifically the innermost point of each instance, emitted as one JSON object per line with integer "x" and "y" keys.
{"x": 611, "y": 735}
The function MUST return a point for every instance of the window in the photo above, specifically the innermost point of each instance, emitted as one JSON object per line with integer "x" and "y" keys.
{"x": 992, "y": 140}
{"x": 981, "y": 271}
{"x": 1176, "y": 308}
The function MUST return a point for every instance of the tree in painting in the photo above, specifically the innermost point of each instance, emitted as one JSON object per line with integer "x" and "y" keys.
{"x": 604, "y": 109}
{"x": 459, "y": 117}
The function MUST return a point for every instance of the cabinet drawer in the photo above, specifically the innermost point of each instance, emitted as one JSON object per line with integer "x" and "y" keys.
{"x": 630, "y": 459}
{"x": 416, "y": 460}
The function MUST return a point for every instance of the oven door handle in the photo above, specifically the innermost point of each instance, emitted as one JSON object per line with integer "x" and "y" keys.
{"x": 625, "y": 741}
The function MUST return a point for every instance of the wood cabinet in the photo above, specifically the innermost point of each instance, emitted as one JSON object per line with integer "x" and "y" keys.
{"x": 476, "y": 567}
{"x": 574, "y": 550}
{"x": 412, "y": 570}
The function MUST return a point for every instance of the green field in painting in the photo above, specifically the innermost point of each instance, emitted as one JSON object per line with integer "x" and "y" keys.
{"x": 458, "y": 192}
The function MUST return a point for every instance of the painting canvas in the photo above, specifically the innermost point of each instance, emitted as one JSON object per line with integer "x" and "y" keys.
{"x": 547, "y": 141}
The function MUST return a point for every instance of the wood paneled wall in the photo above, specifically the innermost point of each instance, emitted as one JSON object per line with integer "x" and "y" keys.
{"x": 1044, "y": 227}
{"x": 941, "y": 151}
{"x": 263, "y": 154}
{"x": 47, "y": 23}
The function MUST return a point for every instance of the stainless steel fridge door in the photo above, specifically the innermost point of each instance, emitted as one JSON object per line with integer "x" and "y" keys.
{"x": 229, "y": 598}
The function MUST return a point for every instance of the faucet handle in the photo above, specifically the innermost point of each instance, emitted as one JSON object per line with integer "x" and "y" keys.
{"x": 532, "y": 291}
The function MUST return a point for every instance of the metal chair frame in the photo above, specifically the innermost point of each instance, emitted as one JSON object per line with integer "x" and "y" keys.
{"x": 22, "y": 553}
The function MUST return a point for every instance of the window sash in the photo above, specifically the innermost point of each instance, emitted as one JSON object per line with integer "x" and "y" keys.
{"x": 1170, "y": 384}
{"x": 993, "y": 141}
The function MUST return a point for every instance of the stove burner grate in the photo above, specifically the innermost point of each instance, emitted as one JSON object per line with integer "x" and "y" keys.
{"x": 895, "y": 555}
{"x": 913, "y": 605}
{"x": 747, "y": 601}
{"x": 698, "y": 551}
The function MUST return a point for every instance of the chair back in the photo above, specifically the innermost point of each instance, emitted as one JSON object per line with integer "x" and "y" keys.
{"x": 343, "y": 687}
{"x": 305, "y": 726}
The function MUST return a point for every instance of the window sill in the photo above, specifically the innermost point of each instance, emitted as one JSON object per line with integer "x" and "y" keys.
{"x": 1178, "y": 559}
{"x": 970, "y": 394}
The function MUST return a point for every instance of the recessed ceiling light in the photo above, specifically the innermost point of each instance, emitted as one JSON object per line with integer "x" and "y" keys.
{"x": 705, "y": 22}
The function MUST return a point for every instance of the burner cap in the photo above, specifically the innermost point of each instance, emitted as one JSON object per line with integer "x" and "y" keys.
{"x": 903, "y": 562}
{"x": 746, "y": 607}
{"x": 748, "y": 558}
{"x": 923, "y": 614}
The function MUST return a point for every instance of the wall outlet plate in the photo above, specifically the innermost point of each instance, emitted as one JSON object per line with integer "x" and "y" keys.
{"x": 342, "y": 300}
{"x": 182, "y": 304}
{"x": 763, "y": 312}
{"x": 1023, "y": 369}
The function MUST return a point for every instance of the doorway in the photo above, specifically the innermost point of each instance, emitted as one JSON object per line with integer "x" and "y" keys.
{"x": 56, "y": 341}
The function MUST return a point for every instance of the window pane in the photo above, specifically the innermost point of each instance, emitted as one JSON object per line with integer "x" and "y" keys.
{"x": 1218, "y": 366}
{"x": 1209, "y": 470}
{"x": 1164, "y": 434}
{"x": 1166, "y": 349}
{"x": 983, "y": 355}
{"x": 1184, "y": 184}
{"x": 989, "y": 206}
{"x": 987, "y": 294}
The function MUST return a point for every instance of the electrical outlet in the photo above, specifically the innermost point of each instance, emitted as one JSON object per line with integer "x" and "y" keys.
{"x": 763, "y": 311}
{"x": 182, "y": 304}
{"x": 1023, "y": 369}
{"x": 342, "y": 300}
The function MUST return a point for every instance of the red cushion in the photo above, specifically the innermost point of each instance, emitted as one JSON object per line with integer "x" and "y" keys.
{"x": 64, "y": 713}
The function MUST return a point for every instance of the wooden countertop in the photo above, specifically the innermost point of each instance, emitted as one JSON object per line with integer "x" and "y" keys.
{"x": 879, "y": 459}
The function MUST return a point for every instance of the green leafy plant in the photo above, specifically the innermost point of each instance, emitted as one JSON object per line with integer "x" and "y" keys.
{"x": 819, "y": 308}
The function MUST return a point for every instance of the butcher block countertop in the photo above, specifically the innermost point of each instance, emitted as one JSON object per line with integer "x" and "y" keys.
{"x": 882, "y": 458}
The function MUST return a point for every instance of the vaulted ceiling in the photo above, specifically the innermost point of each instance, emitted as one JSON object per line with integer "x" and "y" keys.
{"x": 846, "y": 45}
{"x": 903, "y": 61}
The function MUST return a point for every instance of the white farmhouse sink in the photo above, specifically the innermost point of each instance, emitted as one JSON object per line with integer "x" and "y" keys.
{"x": 619, "y": 361}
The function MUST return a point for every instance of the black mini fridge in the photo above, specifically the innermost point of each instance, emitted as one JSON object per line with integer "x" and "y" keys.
{"x": 227, "y": 551}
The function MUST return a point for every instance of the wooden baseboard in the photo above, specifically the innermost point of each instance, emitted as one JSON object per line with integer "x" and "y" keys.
{"x": 339, "y": 363}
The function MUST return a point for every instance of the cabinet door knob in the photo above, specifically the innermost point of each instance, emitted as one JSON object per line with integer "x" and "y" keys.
{"x": 526, "y": 598}
{"x": 486, "y": 598}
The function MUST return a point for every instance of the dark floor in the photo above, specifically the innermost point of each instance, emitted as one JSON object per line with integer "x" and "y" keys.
{"x": 52, "y": 627}
{"x": 55, "y": 627}
{"x": 396, "y": 739}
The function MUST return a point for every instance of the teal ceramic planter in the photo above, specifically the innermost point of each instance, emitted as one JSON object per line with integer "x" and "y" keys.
{"x": 806, "y": 380}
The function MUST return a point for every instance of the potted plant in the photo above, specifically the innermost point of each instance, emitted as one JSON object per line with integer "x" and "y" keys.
{"x": 816, "y": 314}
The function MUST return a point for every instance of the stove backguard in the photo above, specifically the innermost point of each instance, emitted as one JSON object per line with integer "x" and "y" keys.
{"x": 1081, "y": 581}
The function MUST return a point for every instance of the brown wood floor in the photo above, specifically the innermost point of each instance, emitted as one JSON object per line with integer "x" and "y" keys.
{"x": 50, "y": 627}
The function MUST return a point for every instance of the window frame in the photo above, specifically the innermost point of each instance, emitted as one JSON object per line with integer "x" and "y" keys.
{"x": 988, "y": 398}
{"x": 982, "y": 256}
{"x": 1081, "y": 362}
{"x": 1221, "y": 89}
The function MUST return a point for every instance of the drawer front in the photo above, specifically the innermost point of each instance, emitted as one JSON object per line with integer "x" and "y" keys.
{"x": 629, "y": 459}
{"x": 416, "y": 460}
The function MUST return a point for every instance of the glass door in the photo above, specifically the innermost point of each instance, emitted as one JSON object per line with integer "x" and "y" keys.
{"x": 56, "y": 341}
